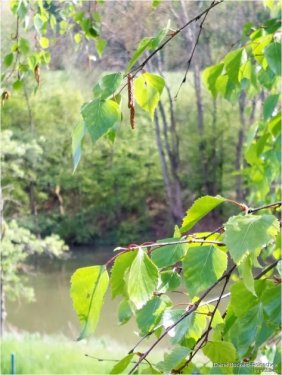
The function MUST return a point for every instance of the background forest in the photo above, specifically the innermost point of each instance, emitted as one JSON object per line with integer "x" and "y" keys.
{"x": 196, "y": 147}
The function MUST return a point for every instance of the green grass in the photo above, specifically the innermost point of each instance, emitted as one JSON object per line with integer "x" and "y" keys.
{"x": 37, "y": 354}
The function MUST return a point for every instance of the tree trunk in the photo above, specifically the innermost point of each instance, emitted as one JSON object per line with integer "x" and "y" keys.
{"x": 3, "y": 313}
{"x": 172, "y": 185}
{"x": 239, "y": 146}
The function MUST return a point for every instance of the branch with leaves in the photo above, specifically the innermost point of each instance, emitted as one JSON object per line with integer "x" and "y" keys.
{"x": 144, "y": 275}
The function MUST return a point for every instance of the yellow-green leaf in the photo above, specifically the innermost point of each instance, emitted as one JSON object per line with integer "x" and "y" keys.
{"x": 88, "y": 289}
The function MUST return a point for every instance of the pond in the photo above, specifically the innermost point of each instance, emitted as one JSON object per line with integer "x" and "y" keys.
{"x": 52, "y": 312}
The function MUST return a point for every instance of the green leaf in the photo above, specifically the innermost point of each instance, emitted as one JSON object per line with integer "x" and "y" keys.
{"x": 77, "y": 136}
{"x": 192, "y": 326}
{"x": 269, "y": 105}
{"x": 142, "y": 280}
{"x": 210, "y": 76}
{"x": 155, "y": 4}
{"x": 24, "y": 45}
{"x": 107, "y": 85}
{"x": 170, "y": 281}
{"x": 18, "y": 84}
{"x": 241, "y": 299}
{"x": 168, "y": 255}
{"x": 122, "y": 364}
{"x": 245, "y": 234}
{"x": 271, "y": 300}
{"x": 8, "y": 59}
{"x": 44, "y": 42}
{"x": 200, "y": 208}
{"x": 244, "y": 331}
{"x": 88, "y": 288}
{"x": 232, "y": 62}
{"x": 124, "y": 312}
{"x": 174, "y": 358}
{"x": 220, "y": 351}
{"x": 150, "y": 315}
{"x": 38, "y": 23}
{"x": 245, "y": 270}
{"x": 202, "y": 266}
{"x": 148, "y": 43}
{"x": 148, "y": 89}
{"x": 100, "y": 46}
{"x": 77, "y": 38}
{"x": 99, "y": 116}
{"x": 150, "y": 370}
{"x": 121, "y": 264}
{"x": 273, "y": 57}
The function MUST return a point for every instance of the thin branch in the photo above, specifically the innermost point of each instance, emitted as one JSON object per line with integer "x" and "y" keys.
{"x": 161, "y": 244}
{"x": 141, "y": 66}
{"x": 192, "y": 355}
{"x": 173, "y": 35}
{"x": 267, "y": 269}
{"x": 183, "y": 316}
{"x": 194, "y": 49}
{"x": 272, "y": 205}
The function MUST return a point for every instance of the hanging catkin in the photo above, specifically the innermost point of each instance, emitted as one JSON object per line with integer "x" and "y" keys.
{"x": 131, "y": 102}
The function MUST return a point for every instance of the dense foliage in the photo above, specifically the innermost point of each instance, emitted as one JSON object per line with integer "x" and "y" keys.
{"x": 143, "y": 275}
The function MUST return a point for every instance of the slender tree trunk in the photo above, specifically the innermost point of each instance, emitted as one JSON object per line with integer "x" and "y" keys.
{"x": 172, "y": 184}
{"x": 3, "y": 313}
{"x": 239, "y": 146}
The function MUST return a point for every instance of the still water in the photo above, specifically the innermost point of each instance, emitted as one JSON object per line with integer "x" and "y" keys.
{"x": 52, "y": 311}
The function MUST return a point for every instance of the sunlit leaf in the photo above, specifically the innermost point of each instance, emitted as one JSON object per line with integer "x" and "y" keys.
{"x": 121, "y": 264}
{"x": 220, "y": 351}
{"x": 245, "y": 234}
{"x": 165, "y": 256}
{"x": 107, "y": 85}
{"x": 99, "y": 116}
{"x": 273, "y": 56}
{"x": 202, "y": 266}
{"x": 142, "y": 280}
{"x": 232, "y": 62}
{"x": 88, "y": 288}
{"x": 122, "y": 364}
{"x": 148, "y": 89}
{"x": 200, "y": 208}
{"x": 210, "y": 76}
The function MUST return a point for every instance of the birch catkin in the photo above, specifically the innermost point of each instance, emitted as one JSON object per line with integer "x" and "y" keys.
{"x": 131, "y": 101}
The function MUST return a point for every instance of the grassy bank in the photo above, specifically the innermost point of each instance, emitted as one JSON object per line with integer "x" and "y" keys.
{"x": 37, "y": 354}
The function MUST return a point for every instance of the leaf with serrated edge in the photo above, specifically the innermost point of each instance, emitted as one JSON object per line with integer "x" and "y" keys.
{"x": 245, "y": 234}
{"x": 100, "y": 116}
{"x": 88, "y": 288}
{"x": 245, "y": 270}
{"x": 148, "y": 89}
{"x": 150, "y": 315}
{"x": 168, "y": 255}
{"x": 202, "y": 266}
{"x": 174, "y": 358}
{"x": 220, "y": 351}
{"x": 121, "y": 264}
{"x": 200, "y": 208}
{"x": 142, "y": 280}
